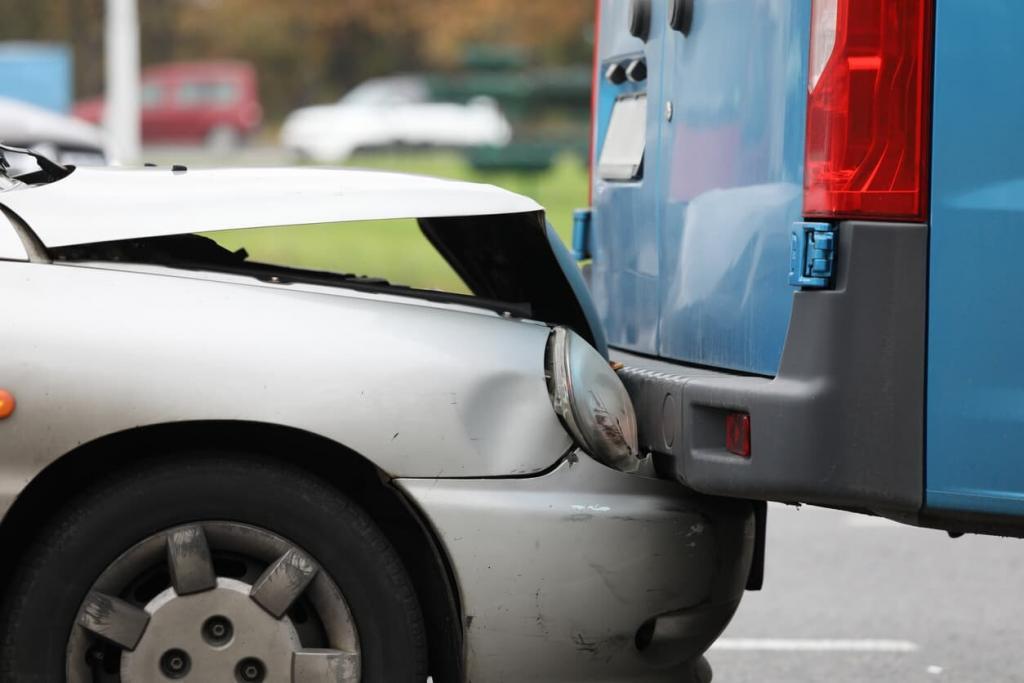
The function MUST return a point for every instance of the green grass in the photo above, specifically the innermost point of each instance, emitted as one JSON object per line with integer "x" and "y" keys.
{"x": 397, "y": 250}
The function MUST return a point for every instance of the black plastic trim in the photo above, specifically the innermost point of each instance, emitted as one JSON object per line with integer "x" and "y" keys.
{"x": 640, "y": 19}
{"x": 842, "y": 424}
{"x": 508, "y": 257}
{"x": 755, "y": 580}
{"x": 681, "y": 16}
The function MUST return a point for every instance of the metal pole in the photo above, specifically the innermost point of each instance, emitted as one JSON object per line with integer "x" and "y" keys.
{"x": 121, "y": 112}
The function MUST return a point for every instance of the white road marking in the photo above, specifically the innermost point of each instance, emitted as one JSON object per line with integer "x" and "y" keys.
{"x": 814, "y": 645}
{"x": 933, "y": 669}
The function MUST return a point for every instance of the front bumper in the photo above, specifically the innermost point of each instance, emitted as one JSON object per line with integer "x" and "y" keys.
{"x": 586, "y": 573}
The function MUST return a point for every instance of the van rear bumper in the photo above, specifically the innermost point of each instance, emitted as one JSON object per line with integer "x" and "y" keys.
{"x": 842, "y": 424}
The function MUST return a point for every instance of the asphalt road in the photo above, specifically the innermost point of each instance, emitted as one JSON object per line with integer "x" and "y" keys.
{"x": 849, "y": 598}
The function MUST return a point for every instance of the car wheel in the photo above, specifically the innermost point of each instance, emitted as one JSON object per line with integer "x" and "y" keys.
{"x": 223, "y": 138}
{"x": 212, "y": 568}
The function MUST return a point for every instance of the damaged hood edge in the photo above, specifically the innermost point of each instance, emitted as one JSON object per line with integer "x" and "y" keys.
{"x": 107, "y": 204}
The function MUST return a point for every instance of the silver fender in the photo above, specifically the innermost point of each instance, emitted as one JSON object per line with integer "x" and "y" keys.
{"x": 421, "y": 391}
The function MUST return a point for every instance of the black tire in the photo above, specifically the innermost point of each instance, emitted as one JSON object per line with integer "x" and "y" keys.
{"x": 90, "y": 532}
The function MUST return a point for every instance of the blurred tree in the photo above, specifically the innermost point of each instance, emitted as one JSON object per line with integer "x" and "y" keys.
{"x": 75, "y": 22}
{"x": 305, "y": 53}
{"x": 314, "y": 50}
{"x": 552, "y": 31}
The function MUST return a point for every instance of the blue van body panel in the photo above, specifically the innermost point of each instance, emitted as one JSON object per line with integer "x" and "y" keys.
{"x": 624, "y": 275}
{"x": 691, "y": 262}
{"x": 975, "y": 395}
{"x": 578, "y": 286}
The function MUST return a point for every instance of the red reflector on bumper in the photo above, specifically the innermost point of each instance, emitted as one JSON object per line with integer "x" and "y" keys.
{"x": 737, "y": 434}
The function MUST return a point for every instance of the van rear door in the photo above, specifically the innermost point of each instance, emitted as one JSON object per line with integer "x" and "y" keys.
{"x": 692, "y": 256}
{"x": 625, "y": 277}
{"x": 730, "y": 181}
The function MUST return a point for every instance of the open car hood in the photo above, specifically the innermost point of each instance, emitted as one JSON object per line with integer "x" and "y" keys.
{"x": 106, "y": 204}
{"x": 497, "y": 241}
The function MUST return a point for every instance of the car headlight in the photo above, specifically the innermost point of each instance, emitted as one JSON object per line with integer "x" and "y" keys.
{"x": 591, "y": 401}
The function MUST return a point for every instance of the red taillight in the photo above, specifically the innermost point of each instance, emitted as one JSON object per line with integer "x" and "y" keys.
{"x": 595, "y": 83}
{"x": 737, "y": 434}
{"x": 869, "y": 84}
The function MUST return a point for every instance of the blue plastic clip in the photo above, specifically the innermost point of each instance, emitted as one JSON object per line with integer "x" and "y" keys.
{"x": 812, "y": 253}
{"x": 581, "y": 219}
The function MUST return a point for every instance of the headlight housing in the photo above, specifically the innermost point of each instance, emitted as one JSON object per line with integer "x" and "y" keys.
{"x": 591, "y": 401}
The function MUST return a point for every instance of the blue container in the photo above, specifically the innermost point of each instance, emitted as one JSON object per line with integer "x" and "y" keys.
{"x": 38, "y": 73}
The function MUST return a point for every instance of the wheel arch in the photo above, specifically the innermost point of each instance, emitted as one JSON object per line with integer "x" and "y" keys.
{"x": 352, "y": 474}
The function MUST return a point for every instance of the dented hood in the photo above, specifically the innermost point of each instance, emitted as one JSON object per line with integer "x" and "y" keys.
{"x": 498, "y": 242}
{"x": 105, "y": 204}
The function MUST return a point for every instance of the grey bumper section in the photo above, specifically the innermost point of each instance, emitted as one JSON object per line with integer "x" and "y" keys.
{"x": 588, "y": 574}
{"x": 842, "y": 424}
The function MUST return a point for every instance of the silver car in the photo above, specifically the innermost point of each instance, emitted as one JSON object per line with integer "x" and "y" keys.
{"x": 214, "y": 469}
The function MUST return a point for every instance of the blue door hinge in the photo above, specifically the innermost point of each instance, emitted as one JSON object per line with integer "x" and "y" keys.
{"x": 812, "y": 250}
{"x": 581, "y": 220}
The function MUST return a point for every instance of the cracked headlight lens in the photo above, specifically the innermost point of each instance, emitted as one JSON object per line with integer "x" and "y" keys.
{"x": 591, "y": 401}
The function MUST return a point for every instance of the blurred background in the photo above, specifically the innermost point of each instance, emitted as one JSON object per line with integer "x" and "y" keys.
{"x": 482, "y": 90}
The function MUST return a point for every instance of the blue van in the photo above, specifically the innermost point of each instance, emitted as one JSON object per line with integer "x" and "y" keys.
{"x": 804, "y": 216}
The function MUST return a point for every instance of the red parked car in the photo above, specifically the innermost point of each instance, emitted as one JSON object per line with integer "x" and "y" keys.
{"x": 216, "y": 103}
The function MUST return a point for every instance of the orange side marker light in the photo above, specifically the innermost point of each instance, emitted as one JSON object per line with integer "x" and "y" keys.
{"x": 6, "y": 404}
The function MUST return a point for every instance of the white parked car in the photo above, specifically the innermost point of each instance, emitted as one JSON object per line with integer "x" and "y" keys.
{"x": 392, "y": 111}
{"x": 63, "y": 138}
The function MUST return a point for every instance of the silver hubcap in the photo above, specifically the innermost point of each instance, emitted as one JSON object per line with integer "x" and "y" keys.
{"x": 205, "y": 627}
{"x": 261, "y": 649}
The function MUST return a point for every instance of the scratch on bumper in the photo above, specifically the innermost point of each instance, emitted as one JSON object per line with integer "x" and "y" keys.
{"x": 561, "y": 574}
